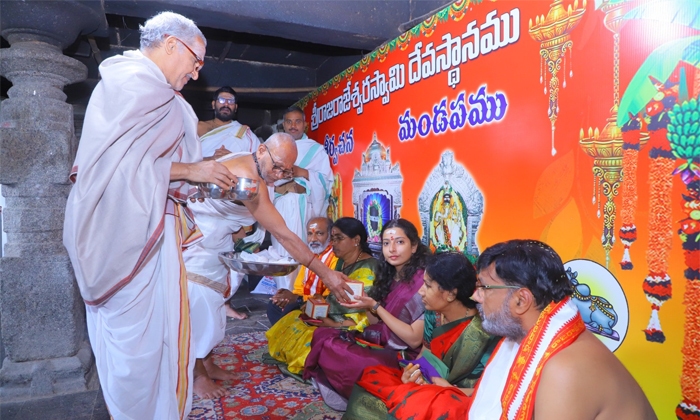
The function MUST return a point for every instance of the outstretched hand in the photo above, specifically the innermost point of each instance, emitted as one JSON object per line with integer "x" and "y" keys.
{"x": 361, "y": 302}
{"x": 335, "y": 282}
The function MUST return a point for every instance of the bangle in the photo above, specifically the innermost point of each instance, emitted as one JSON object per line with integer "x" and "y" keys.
{"x": 311, "y": 260}
{"x": 373, "y": 310}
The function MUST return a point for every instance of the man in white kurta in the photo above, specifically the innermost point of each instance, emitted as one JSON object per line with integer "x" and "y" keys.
{"x": 305, "y": 196}
{"x": 125, "y": 226}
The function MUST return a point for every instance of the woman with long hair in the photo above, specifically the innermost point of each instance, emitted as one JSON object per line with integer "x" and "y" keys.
{"x": 395, "y": 310}
{"x": 289, "y": 338}
{"x": 454, "y": 344}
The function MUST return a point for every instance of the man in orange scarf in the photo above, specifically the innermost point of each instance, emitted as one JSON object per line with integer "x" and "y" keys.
{"x": 548, "y": 366}
{"x": 307, "y": 283}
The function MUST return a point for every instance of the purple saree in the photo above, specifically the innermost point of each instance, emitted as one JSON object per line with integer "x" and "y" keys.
{"x": 336, "y": 361}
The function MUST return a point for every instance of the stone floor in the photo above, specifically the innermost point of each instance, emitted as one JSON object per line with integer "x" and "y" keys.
{"x": 91, "y": 406}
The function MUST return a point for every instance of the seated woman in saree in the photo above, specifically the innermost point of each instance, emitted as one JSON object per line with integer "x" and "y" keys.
{"x": 289, "y": 338}
{"x": 455, "y": 352}
{"x": 337, "y": 358}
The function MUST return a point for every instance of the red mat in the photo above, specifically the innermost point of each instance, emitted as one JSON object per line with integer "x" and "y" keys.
{"x": 259, "y": 391}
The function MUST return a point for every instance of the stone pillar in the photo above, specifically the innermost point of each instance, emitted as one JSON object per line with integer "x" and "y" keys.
{"x": 42, "y": 313}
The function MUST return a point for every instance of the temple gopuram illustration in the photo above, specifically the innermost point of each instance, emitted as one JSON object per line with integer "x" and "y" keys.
{"x": 376, "y": 191}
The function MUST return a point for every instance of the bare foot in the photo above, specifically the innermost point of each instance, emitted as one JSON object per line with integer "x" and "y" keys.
{"x": 234, "y": 314}
{"x": 205, "y": 388}
{"x": 215, "y": 372}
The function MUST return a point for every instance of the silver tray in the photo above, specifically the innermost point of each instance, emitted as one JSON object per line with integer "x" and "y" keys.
{"x": 234, "y": 262}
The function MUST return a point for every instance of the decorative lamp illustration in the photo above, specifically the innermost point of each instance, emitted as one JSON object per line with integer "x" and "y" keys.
{"x": 553, "y": 32}
{"x": 605, "y": 146}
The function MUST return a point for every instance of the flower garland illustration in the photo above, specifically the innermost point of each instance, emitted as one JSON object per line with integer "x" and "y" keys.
{"x": 684, "y": 137}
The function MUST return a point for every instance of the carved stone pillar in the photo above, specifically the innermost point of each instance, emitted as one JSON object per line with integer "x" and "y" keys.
{"x": 42, "y": 313}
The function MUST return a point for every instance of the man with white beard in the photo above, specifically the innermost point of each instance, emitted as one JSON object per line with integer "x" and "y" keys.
{"x": 307, "y": 284}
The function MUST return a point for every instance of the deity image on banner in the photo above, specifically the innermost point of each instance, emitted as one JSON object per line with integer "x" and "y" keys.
{"x": 600, "y": 300}
{"x": 450, "y": 207}
{"x": 335, "y": 201}
{"x": 376, "y": 191}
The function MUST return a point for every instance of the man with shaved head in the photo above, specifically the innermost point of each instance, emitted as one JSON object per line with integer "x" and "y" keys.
{"x": 304, "y": 194}
{"x": 210, "y": 280}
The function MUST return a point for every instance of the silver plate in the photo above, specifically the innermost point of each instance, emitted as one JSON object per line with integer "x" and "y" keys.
{"x": 234, "y": 262}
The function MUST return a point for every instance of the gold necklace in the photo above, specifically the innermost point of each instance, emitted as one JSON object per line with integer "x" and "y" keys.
{"x": 358, "y": 258}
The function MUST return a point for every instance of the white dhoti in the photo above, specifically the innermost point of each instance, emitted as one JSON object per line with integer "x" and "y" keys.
{"x": 124, "y": 230}
{"x": 298, "y": 209}
{"x": 147, "y": 324}
{"x": 210, "y": 281}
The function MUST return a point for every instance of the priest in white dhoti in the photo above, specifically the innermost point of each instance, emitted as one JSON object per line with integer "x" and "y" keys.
{"x": 125, "y": 224}
{"x": 306, "y": 194}
{"x": 210, "y": 280}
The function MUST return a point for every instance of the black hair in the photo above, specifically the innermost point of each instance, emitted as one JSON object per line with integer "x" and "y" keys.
{"x": 386, "y": 273}
{"x": 352, "y": 227}
{"x": 227, "y": 89}
{"x": 531, "y": 264}
{"x": 294, "y": 108}
{"x": 453, "y": 270}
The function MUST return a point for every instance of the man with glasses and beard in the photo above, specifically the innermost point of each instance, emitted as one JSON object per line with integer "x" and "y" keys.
{"x": 223, "y": 134}
{"x": 307, "y": 283}
{"x": 548, "y": 366}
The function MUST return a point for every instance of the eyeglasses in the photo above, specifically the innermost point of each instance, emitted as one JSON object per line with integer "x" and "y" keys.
{"x": 488, "y": 286}
{"x": 200, "y": 61}
{"x": 337, "y": 237}
{"x": 479, "y": 285}
{"x": 222, "y": 101}
{"x": 287, "y": 173}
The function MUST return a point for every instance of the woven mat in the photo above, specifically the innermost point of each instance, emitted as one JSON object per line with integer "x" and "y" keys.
{"x": 259, "y": 391}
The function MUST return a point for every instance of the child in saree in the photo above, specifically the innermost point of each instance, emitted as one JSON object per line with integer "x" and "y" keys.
{"x": 455, "y": 349}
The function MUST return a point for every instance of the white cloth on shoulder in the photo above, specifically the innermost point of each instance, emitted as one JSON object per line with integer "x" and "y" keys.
{"x": 134, "y": 287}
{"x": 234, "y": 136}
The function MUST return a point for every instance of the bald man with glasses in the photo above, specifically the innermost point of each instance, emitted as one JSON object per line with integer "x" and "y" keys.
{"x": 303, "y": 193}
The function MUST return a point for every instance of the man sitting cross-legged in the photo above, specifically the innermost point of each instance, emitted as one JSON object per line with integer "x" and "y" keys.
{"x": 210, "y": 280}
{"x": 307, "y": 283}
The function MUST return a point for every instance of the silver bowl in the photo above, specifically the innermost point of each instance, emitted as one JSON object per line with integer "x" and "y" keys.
{"x": 234, "y": 262}
{"x": 245, "y": 189}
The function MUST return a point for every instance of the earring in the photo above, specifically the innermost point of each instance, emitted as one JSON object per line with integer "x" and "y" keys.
{"x": 355, "y": 244}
